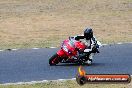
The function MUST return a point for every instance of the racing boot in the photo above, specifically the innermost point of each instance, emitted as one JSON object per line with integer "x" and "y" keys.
{"x": 89, "y": 62}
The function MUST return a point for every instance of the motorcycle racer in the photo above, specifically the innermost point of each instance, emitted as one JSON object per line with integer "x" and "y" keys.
{"x": 78, "y": 49}
{"x": 90, "y": 41}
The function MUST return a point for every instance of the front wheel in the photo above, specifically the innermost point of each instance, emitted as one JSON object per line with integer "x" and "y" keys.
{"x": 54, "y": 60}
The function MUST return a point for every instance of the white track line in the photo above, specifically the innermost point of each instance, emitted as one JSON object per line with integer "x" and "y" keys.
{"x": 52, "y": 47}
{"x": 104, "y": 44}
{"x": 35, "y": 48}
{"x": 119, "y": 43}
{"x": 56, "y": 47}
{"x": 1, "y": 50}
{"x": 34, "y": 82}
{"x": 14, "y": 49}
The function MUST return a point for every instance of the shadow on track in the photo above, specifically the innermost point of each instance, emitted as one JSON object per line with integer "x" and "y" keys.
{"x": 72, "y": 64}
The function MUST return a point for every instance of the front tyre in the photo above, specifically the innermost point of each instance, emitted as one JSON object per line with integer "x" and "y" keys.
{"x": 54, "y": 60}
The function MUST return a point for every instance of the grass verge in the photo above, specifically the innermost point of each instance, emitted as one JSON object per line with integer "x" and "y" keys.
{"x": 38, "y": 23}
{"x": 67, "y": 84}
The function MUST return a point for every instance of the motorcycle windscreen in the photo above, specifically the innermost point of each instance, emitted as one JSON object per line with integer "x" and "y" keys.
{"x": 69, "y": 47}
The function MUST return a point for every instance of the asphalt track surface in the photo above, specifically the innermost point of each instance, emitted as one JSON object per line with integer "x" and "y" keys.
{"x": 32, "y": 64}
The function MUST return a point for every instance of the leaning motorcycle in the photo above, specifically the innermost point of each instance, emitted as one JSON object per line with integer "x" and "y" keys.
{"x": 72, "y": 51}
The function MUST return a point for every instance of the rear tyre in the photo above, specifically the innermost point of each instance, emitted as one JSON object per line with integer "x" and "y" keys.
{"x": 54, "y": 60}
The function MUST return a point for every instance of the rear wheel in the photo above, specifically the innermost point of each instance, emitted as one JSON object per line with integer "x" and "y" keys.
{"x": 54, "y": 60}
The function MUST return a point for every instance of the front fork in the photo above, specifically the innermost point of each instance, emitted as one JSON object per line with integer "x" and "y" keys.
{"x": 85, "y": 57}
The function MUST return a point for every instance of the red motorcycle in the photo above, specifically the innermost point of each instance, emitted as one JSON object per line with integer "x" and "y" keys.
{"x": 71, "y": 52}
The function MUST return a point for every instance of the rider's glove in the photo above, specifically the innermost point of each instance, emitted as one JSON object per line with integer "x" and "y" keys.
{"x": 87, "y": 50}
{"x": 95, "y": 50}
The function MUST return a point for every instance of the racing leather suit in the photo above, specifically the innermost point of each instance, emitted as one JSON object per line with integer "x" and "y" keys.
{"x": 91, "y": 43}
